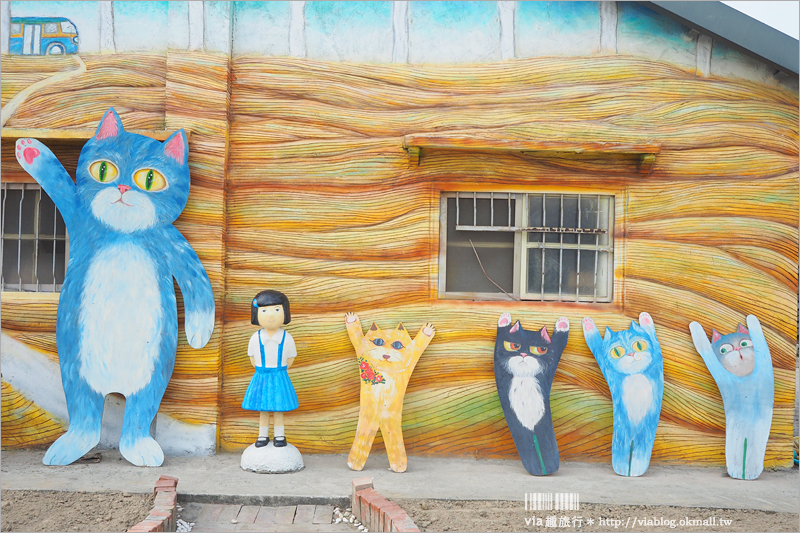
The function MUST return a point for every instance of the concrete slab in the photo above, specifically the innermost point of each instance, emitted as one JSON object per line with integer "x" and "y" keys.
{"x": 326, "y": 480}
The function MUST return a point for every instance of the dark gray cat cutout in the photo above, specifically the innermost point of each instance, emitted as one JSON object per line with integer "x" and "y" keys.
{"x": 524, "y": 366}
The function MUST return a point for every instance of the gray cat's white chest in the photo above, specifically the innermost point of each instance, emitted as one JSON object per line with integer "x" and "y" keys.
{"x": 120, "y": 320}
{"x": 526, "y": 399}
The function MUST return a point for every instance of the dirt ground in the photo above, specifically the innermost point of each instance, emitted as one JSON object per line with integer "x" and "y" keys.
{"x": 26, "y": 510}
{"x": 442, "y": 515}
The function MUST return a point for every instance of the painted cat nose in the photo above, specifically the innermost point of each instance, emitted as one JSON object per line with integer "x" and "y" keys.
{"x": 387, "y": 356}
{"x": 524, "y": 355}
{"x": 123, "y": 188}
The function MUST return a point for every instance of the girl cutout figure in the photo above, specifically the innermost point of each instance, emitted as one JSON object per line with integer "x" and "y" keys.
{"x": 271, "y": 351}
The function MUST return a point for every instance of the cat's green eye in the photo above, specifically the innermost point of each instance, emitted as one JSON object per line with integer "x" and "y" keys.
{"x": 617, "y": 352}
{"x": 745, "y": 343}
{"x": 639, "y": 346}
{"x": 149, "y": 179}
{"x": 103, "y": 171}
{"x": 511, "y": 346}
{"x": 725, "y": 348}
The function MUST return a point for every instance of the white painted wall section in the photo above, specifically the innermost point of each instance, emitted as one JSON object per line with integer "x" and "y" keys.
{"x": 196, "y": 25}
{"x": 400, "y": 30}
{"x": 106, "y": 10}
{"x": 178, "y": 25}
{"x": 506, "y": 11}
{"x": 704, "y": 45}
{"x": 217, "y": 26}
{"x": 297, "y": 29}
{"x": 5, "y": 26}
{"x": 608, "y": 27}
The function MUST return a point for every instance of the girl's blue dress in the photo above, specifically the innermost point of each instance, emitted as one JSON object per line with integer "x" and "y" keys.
{"x": 270, "y": 389}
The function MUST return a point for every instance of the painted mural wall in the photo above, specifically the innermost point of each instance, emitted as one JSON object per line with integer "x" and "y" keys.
{"x": 300, "y": 181}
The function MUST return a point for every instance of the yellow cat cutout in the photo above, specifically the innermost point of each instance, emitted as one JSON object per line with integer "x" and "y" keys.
{"x": 386, "y": 360}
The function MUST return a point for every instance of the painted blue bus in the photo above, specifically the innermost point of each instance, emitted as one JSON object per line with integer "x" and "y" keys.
{"x": 42, "y": 36}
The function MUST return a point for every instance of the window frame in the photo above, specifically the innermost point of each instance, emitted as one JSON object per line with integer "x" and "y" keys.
{"x": 31, "y": 288}
{"x": 521, "y": 245}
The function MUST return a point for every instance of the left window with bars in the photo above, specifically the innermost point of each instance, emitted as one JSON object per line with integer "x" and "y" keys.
{"x": 35, "y": 245}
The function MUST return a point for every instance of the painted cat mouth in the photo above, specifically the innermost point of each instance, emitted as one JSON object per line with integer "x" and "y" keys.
{"x": 121, "y": 202}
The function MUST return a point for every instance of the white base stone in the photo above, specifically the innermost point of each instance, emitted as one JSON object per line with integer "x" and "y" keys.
{"x": 271, "y": 460}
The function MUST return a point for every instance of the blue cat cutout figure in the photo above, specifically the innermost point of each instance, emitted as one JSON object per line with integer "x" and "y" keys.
{"x": 633, "y": 367}
{"x": 741, "y": 365}
{"x": 117, "y": 323}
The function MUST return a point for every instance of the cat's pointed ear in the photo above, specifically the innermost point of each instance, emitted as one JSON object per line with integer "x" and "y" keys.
{"x": 544, "y": 334}
{"x": 742, "y": 329}
{"x": 608, "y": 333}
{"x": 400, "y": 327}
{"x": 110, "y": 125}
{"x": 373, "y": 327}
{"x": 715, "y": 336}
{"x": 177, "y": 148}
{"x": 515, "y": 328}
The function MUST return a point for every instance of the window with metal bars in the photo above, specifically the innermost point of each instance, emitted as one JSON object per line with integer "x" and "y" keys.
{"x": 35, "y": 248}
{"x": 528, "y": 246}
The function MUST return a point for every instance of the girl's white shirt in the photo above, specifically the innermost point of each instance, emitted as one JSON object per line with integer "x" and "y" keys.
{"x": 271, "y": 348}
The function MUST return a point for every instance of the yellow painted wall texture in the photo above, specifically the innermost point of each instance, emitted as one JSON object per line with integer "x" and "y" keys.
{"x": 301, "y": 184}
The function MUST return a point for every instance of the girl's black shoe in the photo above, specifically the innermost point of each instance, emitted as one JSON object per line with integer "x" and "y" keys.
{"x": 280, "y": 442}
{"x": 263, "y": 441}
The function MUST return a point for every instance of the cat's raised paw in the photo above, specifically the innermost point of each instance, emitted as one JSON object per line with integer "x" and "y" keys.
{"x": 562, "y": 324}
{"x": 199, "y": 327}
{"x": 27, "y": 151}
{"x": 588, "y": 324}
{"x": 429, "y": 329}
{"x": 350, "y": 317}
{"x": 645, "y": 319}
{"x": 505, "y": 320}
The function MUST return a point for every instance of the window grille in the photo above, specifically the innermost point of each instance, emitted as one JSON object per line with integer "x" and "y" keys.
{"x": 35, "y": 248}
{"x": 554, "y": 247}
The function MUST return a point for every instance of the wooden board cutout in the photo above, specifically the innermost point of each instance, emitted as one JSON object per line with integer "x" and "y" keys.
{"x": 634, "y": 370}
{"x": 386, "y": 360}
{"x": 741, "y": 365}
{"x": 524, "y": 367}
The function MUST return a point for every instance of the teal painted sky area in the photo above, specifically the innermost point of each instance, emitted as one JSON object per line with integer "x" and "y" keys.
{"x": 261, "y": 27}
{"x": 349, "y": 31}
{"x": 453, "y": 15}
{"x": 347, "y": 16}
{"x": 566, "y": 16}
{"x": 152, "y": 12}
{"x": 636, "y": 19}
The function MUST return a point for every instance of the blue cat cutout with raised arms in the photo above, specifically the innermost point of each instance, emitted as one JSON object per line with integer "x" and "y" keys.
{"x": 634, "y": 370}
{"x": 117, "y": 323}
{"x": 741, "y": 365}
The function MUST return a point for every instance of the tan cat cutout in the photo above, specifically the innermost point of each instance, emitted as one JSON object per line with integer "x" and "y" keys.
{"x": 386, "y": 360}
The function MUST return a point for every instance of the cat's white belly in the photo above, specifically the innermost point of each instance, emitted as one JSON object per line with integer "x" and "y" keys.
{"x": 525, "y": 397}
{"x": 120, "y": 320}
{"x": 637, "y": 395}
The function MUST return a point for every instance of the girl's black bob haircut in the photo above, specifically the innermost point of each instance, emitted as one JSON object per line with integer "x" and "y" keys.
{"x": 269, "y": 297}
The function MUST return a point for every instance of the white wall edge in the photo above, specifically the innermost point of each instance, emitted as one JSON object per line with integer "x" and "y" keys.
{"x": 608, "y": 27}
{"x": 507, "y": 11}
{"x": 297, "y": 29}
{"x": 400, "y": 29}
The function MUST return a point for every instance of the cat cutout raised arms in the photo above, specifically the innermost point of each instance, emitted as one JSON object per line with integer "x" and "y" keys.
{"x": 117, "y": 322}
{"x": 386, "y": 360}
{"x": 741, "y": 365}
{"x": 524, "y": 366}
{"x": 633, "y": 367}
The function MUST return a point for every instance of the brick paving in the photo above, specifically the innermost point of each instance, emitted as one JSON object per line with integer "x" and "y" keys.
{"x": 227, "y": 517}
